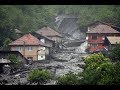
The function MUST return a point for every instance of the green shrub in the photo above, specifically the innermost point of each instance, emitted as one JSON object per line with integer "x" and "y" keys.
{"x": 68, "y": 79}
{"x": 115, "y": 53}
{"x": 39, "y": 76}
{"x": 15, "y": 63}
{"x": 94, "y": 60}
{"x": 99, "y": 70}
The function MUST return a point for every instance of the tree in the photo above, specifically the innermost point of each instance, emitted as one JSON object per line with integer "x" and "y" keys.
{"x": 15, "y": 63}
{"x": 115, "y": 54}
{"x": 100, "y": 71}
{"x": 68, "y": 79}
{"x": 94, "y": 69}
{"x": 5, "y": 44}
{"x": 26, "y": 18}
{"x": 39, "y": 76}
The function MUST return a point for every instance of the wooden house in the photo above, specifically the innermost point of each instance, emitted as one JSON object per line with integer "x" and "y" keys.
{"x": 96, "y": 34}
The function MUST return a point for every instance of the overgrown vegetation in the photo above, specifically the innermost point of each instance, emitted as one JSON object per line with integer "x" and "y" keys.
{"x": 39, "y": 76}
{"x": 25, "y": 18}
{"x": 29, "y": 18}
{"x": 115, "y": 53}
{"x": 68, "y": 79}
{"x": 90, "y": 13}
{"x": 99, "y": 70}
{"x": 15, "y": 63}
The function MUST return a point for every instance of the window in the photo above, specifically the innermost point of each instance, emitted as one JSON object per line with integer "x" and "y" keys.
{"x": 94, "y": 45}
{"x": 94, "y": 37}
{"x": 18, "y": 49}
{"x": 42, "y": 40}
{"x": 29, "y": 48}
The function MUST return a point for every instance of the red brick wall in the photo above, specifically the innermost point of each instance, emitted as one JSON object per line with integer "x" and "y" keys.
{"x": 98, "y": 40}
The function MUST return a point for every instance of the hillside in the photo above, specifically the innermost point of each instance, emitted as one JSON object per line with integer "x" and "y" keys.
{"x": 27, "y": 18}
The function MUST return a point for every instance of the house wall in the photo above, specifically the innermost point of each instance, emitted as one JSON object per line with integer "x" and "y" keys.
{"x": 41, "y": 53}
{"x": 100, "y": 42}
{"x": 33, "y": 53}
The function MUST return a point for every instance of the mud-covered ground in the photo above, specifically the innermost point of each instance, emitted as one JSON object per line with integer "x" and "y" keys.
{"x": 60, "y": 65}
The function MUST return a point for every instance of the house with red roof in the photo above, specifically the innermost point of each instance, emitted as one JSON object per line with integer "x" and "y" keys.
{"x": 96, "y": 34}
{"x": 30, "y": 47}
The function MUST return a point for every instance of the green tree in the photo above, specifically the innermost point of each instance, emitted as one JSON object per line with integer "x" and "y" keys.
{"x": 99, "y": 71}
{"x": 26, "y": 18}
{"x": 15, "y": 63}
{"x": 39, "y": 76}
{"x": 115, "y": 53}
{"x": 68, "y": 79}
{"x": 5, "y": 44}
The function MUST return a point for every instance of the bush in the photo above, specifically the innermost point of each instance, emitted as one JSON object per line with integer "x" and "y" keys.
{"x": 94, "y": 60}
{"x": 68, "y": 79}
{"x": 98, "y": 70}
{"x": 115, "y": 54}
{"x": 39, "y": 76}
{"x": 15, "y": 63}
{"x": 112, "y": 75}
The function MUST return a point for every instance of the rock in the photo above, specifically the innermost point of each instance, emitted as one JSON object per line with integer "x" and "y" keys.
{"x": 23, "y": 81}
{"x": 52, "y": 82}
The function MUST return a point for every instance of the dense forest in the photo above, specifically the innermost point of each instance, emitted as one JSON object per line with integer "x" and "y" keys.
{"x": 32, "y": 17}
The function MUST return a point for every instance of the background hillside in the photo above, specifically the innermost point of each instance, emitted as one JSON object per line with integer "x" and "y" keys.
{"x": 32, "y": 17}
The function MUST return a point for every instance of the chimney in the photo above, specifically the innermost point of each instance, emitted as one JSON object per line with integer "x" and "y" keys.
{"x": 88, "y": 28}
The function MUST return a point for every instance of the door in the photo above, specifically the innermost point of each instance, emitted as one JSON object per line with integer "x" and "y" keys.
{"x": 41, "y": 54}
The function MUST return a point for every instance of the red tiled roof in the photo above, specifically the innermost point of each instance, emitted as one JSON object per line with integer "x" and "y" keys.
{"x": 103, "y": 29}
{"x": 27, "y": 39}
{"x": 47, "y": 31}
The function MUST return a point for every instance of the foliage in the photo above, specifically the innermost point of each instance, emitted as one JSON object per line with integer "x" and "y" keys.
{"x": 68, "y": 79}
{"x": 95, "y": 59}
{"x": 26, "y": 18}
{"x": 29, "y": 18}
{"x": 5, "y": 44}
{"x": 115, "y": 54}
{"x": 100, "y": 71}
{"x": 14, "y": 61}
{"x": 39, "y": 76}
{"x": 90, "y": 13}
